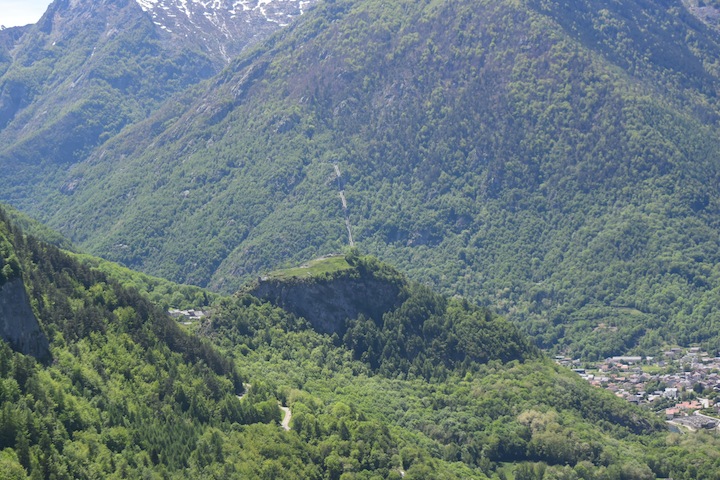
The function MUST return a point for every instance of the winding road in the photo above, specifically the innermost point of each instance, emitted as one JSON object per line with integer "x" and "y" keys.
{"x": 287, "y": 414}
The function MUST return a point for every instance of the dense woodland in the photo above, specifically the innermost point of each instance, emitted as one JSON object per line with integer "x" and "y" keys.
{"x": 557, "y": 164}
{"x": 129, "y": 393}
{"x": 545, "y": 172}
{"x": 126, "y": 390}
{"x": 524, "y": 416}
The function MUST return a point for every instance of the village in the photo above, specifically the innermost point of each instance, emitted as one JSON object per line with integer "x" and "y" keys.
{"x": 683, "y": 384}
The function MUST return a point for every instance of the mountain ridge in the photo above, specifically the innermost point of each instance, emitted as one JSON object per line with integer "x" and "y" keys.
{"x": 217, "y": 21}
{"x": 517, "y": 153}
{"x": 88, "y": 69}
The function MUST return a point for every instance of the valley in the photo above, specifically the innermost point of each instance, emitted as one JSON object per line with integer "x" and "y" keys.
{"x": 359, "y": 239}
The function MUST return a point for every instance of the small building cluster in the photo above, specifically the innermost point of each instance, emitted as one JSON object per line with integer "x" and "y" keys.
{"x": 680, "y": 384}
{"x": 187, "y": 316}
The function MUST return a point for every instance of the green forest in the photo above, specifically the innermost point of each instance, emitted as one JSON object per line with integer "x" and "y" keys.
{"x": 131, "y": 393}
{"x": 556, "y": 164}
{"x": 521, "y": 178}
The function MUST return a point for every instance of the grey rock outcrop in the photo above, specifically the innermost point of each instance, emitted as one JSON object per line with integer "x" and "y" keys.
{"x": 327, "y": 304}
{"x": 18, "y": 324}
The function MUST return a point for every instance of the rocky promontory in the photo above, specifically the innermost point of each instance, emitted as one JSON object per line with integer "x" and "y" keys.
{"x": 328, "y": 291}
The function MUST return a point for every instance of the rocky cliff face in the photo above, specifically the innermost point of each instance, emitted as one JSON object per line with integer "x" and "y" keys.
{"x": 327, "y": 303}
{"x": 18, "y": 325}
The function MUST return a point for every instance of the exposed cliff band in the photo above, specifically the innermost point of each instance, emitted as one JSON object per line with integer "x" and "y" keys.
{"x": 328, "y": 299}
{"x": 18, "y": 324}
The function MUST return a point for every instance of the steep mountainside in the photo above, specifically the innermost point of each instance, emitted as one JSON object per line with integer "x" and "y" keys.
{"x": 556, "y": 159}
{"x": 122, "y": 395}
{"x": 89, "y": 68}
{"x": 8, "y": 39}
{"x": 18, "y": 325}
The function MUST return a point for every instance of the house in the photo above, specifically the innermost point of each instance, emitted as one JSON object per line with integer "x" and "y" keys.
{"x": 705, "y": 402}
{"x": 670, "y": 393}
{"x": 692, "y": 405}
{"x": 626, "y": 359}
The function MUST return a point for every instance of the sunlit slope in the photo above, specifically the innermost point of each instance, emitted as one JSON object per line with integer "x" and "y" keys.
{"x": 558, "y": 162}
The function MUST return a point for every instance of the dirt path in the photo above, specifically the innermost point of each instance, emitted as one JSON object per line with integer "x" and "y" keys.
{"x": 286, "y": 418}
{"x": 246, "y": 386}
{"x": 287, "y": 414}
{"x": 344, "y": 204}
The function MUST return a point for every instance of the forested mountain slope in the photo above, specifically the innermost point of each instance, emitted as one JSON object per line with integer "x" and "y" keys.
{"x": 89, "y": 68}
{"x": 556, "y": 159}
{"x": 126, "y": 392}
{"x": 444, "y": 388}
{"x": 392, "y": 324}
{"x": 129, "y": 394}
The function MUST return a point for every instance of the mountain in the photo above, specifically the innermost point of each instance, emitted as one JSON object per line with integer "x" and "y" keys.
{"x": 461, "y": 393}
{"x": 129, "y": 393}
{"x": 556, "y": 161}
{"x": 89, "y": 68}
{"x": 222, "y": 28}
{"x": 101, "y": 335}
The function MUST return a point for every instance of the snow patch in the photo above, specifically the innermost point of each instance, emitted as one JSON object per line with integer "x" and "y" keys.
{"x": 184, "y": 5}
{"x": 241, "y": 3}
{"x": 224, "y": 15}
{"x": 147, "y": 5}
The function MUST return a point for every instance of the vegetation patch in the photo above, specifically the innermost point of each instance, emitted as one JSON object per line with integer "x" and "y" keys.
{"x": 326, "y": 266}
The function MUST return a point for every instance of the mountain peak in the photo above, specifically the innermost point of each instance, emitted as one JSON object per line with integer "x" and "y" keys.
{"x": 224, "y": 26}
{"x": 221, "y": 28}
